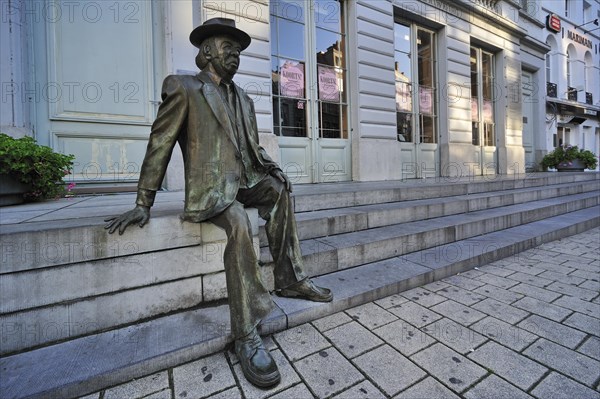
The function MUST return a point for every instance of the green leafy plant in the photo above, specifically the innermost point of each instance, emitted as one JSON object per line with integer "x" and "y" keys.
{"x": 566, "y": 154}
{"x": 35, "y": 165}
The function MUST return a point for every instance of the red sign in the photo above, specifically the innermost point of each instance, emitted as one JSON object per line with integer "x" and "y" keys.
{"x": 553, "y": 22}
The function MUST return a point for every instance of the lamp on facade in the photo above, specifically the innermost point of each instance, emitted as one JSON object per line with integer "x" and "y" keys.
{"x": 595, "y": 22}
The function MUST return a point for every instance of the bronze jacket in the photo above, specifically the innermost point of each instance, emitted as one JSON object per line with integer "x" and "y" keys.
{"x": 193, "y": 113}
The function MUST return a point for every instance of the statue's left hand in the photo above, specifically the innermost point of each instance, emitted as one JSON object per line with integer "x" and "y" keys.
{"x": 284, "y": 179}
{"x": 138, "y": 215}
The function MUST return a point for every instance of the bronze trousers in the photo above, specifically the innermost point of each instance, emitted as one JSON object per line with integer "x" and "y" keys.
{"x": 249, "y": 299}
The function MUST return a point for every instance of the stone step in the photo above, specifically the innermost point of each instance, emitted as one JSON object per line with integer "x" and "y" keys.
{"x": 338, "y": 252}
{"x": 330, "y": 222}
{"x": 87, "y": 281}
{"x": 36, "y": 239}
{"x": 84, "y": 365}
{"x": 309, "y": 198}
{"x": 53, "y": 289}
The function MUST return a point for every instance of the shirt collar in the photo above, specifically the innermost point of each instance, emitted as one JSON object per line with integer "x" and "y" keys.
{"x": 217, "y": 79}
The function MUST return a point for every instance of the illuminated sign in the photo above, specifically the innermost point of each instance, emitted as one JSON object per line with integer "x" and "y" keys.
{"x": 553, "y": 22}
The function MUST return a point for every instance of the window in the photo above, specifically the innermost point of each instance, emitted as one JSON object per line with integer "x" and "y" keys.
{"x": 569, "y": 70}
{"x": 415, "y": 84}
{"x": 529, "y": 7}
{"x": 403, "y": 71}
{"x": 588, "y": 76}
{"x": 587, "y": 12}
{"x": 331, "y": 69}
{"x": 482, "y": 98}
{"x": 548, "y": 68}
{"x": 292, "y": 70}
{"x": 288, "y": 63}
{"x": 571, "y": 78}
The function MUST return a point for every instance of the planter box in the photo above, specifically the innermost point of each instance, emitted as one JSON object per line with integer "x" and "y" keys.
{"x": 11, "y": 191}
{"x": 576, "y": 165}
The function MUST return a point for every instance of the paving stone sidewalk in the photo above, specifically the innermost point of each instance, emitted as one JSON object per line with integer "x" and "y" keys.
{"x": 522, "y": 327}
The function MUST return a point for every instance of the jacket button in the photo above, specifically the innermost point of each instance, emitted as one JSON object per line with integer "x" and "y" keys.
{"x": 237, "y": 178}
{"x": 238, "y": 157}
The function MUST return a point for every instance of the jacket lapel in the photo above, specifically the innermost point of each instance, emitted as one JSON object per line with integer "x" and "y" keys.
{"x": 246, "y": 113}
{"x": 214, "y": 100}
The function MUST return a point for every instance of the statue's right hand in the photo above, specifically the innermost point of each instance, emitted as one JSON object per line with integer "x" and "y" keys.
{"x": 138, "y": 215}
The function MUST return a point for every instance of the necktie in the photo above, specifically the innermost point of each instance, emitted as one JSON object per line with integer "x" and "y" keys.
{"x": 230, "y": 96}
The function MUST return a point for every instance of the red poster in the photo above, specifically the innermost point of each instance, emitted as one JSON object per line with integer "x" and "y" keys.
{"x": 328, "y": 84}
{"x": 474, "y": 109}
{"x": 291, "y": 83}
{"x": 426, "y": 100}
{"x": 488, "y": 111}
{"x": 403, "y": 95}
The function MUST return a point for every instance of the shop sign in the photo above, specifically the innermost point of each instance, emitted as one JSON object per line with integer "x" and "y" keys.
{"x": 329, "y": 89}
{"x": 577, "y": 38}
{"x": 291, "y": 83}
{"x": 589, "y": 112}
{"x": 553, "y": 22}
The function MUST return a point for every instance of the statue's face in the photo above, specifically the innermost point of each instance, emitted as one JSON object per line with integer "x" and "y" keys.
{"x": 225, "y": 56}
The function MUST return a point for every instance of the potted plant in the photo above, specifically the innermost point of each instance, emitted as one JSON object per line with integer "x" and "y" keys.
{"x": 29, "y": 171}
{"x": 567, "y": 158}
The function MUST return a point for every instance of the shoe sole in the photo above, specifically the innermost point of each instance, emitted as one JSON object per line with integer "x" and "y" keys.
{"x": 288, "y": 294}
{"x": 267, "y": 381}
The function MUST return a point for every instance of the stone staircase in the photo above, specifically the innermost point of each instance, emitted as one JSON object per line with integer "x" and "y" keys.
{"x": 144, "y": 313}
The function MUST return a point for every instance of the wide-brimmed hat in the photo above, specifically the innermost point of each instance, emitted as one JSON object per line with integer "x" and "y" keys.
{"x": 219, "y": 26}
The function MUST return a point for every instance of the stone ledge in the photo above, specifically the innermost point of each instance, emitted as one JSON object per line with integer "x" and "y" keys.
{"x": 74, "y": 241}
{"x": 341, "y": 195}
{"x": 88, "y": 364}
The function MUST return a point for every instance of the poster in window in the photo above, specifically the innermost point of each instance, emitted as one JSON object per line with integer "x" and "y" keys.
{"x": 329, "y": 89}
{"x": 474, "y": 109}
{"x": 426, "y": 100}
{"x": 488, "y": 114}
{"x": 291, "y": 83}
{"x": 403, "y": 98}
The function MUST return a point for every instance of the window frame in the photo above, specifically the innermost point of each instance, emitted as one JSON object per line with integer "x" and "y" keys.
{"x": 416, "y": 115}
{"x": 312, "y": 104}
{"x": 483, "y": 132}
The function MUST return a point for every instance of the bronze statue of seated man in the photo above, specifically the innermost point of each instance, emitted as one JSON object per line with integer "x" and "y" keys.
{"x": 214, "y": 122}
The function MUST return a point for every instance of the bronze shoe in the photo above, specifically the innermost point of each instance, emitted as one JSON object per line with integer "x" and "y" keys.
{"x": 258, "y": 365}
{"x": 306, "y": 289}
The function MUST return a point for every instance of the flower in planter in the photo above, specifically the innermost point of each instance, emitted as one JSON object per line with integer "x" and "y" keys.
{"x": 566, "y": 154}
{"x": 34, "y": 165}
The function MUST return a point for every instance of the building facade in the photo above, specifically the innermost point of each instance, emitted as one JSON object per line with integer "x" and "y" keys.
{"x": 572, "y": 74}
{"x": 361, "y": 90}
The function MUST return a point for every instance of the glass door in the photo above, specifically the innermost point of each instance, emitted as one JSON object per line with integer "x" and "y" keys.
{"x": 310, "y": 105}
{"x": 416, "y": 117}
{"x": 482, "y": 111}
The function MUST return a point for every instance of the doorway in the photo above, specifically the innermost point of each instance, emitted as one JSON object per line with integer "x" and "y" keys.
{"x": 416, "y": 105}
{"x": 309, "y": 89}
{"x": 528, "y": 98}
{"x": 483, "y": 127}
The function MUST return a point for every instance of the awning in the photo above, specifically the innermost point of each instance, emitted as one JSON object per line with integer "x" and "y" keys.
{"x": 572, "y": 111}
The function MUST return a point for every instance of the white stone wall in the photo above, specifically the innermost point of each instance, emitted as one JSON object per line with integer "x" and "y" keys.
{"x": 585, "y": 135}
{"x": 456, "y": 24}
{"x": 375, "y": 153}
